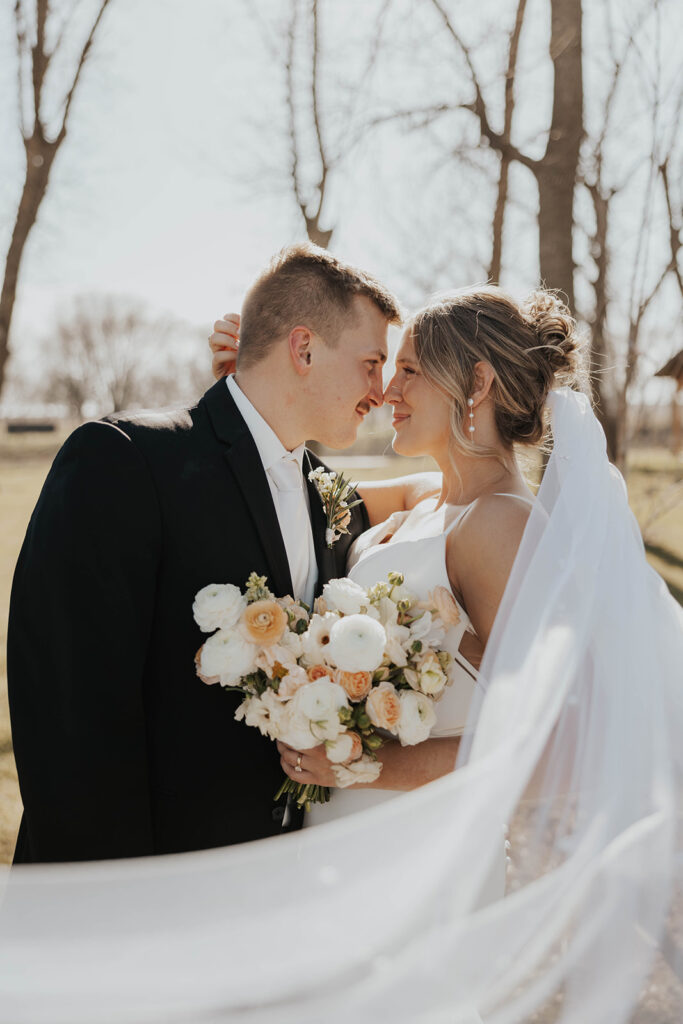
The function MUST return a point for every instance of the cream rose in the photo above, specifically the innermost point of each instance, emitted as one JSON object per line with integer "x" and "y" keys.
{"x": 366, "y": 769}
{"x": 263, "y": 623}
{"x": 431, "y": 677}
{"x": 383, "y": 707}
{"x": 417, "y": 718}
{"x": 218, "y": 606}
{"x": 356, "y": 685}
{"x": 296, "y": 678}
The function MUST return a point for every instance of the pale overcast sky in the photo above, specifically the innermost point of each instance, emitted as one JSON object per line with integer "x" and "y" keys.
{"x": 162, "y": 188}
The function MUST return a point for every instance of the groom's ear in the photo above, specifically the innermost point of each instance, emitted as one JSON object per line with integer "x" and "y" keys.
{"x": 300, "y": 344}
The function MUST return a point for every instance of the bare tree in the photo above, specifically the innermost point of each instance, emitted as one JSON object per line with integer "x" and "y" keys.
{"x": 616, "y": 355}
{"x": 108, "y": 353}
{"x": 555, "y": 171}
{"x": 320, "y": 134}
{"x": 43, "y": 122}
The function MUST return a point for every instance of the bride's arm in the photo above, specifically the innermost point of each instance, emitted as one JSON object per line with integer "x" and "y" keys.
{"x": 403, "y": 768}
{"x": 381, "y": 497}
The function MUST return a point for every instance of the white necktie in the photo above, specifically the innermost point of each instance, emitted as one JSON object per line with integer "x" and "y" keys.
{"x": 294, "y": 520}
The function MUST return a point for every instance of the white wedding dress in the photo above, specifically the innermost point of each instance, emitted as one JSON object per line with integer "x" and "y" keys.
{"x": 414, "y": 544}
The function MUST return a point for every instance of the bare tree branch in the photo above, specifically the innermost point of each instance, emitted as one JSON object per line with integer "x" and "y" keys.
{"x": 503, "y": 176}
{"x": 21, "y": 57}
{"x": 291, "y": 108}
{"x": 478, "y": 105}
{"x": 324, "y": 168}
{"x": 84, "y": 56}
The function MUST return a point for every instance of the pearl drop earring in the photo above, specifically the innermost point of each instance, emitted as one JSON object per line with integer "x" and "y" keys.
{"x": 470, "y": 402}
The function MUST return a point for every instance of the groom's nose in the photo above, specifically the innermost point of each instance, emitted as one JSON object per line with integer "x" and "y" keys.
{"x": 375, "y": 395}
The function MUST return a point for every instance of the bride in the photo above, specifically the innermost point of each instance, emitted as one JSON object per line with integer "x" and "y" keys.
{"x": 473, "y": 373}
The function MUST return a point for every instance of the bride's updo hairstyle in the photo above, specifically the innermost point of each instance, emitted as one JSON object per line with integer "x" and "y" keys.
{"x": 531, "y": 346}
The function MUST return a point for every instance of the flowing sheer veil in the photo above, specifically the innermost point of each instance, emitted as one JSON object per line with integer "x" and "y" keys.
{"x": 576, "y": 740}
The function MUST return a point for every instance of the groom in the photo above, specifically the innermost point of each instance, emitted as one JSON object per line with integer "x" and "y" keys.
{"x": 121, "y": 750}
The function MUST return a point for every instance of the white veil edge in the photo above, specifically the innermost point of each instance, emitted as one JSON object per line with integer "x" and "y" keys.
{"x": 576, "y": 742}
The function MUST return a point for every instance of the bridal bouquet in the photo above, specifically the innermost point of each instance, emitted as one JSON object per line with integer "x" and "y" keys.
{"x": 364, "y": 663}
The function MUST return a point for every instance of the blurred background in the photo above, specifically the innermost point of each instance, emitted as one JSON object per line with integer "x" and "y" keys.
{"x": 155, "y": 155}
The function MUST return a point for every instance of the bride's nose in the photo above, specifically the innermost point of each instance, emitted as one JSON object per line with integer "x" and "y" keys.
{"x": 393, "y": 394}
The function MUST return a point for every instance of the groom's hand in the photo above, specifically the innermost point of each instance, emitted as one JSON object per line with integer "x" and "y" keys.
{"x": 224, "y": 343}
{"x": 315, "y": 769}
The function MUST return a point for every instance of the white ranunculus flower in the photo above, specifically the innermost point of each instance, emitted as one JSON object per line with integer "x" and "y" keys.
{"x": 357, "y": 644}
{"x": 429, "y": 630}
{"x": 345, "y": 596}
{"x": 316, "y": 639}
{"x": 398, "y": 644}
{"x": 417, "y": 718}
{"x": 432, "y": 678}
{"x": 218, "y": 606}
{"x": 364, "y": 770}
{"x": 320, "y": 702}
{"x": 227, "y": 655}
{"x": 296, "y": 728}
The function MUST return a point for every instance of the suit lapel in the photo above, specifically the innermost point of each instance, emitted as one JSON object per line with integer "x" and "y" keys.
{"x": 327, "y": 568}
{"x": 245, "y": 466}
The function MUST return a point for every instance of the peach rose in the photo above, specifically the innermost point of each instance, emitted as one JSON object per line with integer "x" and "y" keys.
{"x": 317, "y": 672}
{"x": 383, "y": 707}
{"x": 446, "y": 606}
{"x": 264, "y": 622}
{"x": 209, "y": 680}
{"x": 356, "y": 684}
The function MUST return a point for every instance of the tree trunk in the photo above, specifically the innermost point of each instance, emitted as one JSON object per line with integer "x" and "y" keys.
{"x": 598, "y": 327}
{"x": 39, "y": 158}
{"x": 499, "y": 221}
{"x": 556, "y": 172}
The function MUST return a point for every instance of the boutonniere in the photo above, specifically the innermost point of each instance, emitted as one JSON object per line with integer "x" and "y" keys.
{"x": 334, "y": 490}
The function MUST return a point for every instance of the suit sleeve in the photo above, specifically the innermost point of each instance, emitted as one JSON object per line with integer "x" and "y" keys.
{"x": 80, "y": 619}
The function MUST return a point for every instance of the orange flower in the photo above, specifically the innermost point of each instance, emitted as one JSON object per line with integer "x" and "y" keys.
{"x": 264, "y": 622}
{"x": 356, "y": 684}
{"x": 317, "y": 672}
{"x": 384, "y": 707}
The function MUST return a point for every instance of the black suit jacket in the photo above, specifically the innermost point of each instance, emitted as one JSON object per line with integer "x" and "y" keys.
{"x": 121, "y": 750}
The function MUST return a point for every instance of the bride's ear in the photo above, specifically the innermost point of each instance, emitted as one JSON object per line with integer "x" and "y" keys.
{"x": 300, "y": 344}
{"x": 483, "y": 381}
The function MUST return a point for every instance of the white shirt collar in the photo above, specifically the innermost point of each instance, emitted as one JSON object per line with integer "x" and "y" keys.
{"x": 270, "y": 447}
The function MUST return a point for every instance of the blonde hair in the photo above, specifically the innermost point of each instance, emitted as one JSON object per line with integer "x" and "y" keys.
{"x": 304, "y": 284}
{"x": 531, "y": 347}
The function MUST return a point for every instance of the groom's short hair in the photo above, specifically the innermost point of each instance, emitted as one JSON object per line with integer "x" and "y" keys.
{"x": 306, "y": 285}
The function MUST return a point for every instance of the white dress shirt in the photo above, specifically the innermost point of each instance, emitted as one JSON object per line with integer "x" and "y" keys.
{"x": 298, "y": 541}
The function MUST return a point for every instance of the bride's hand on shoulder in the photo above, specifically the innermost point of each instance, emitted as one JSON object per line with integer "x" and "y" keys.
{"x": 224, "y": 344}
